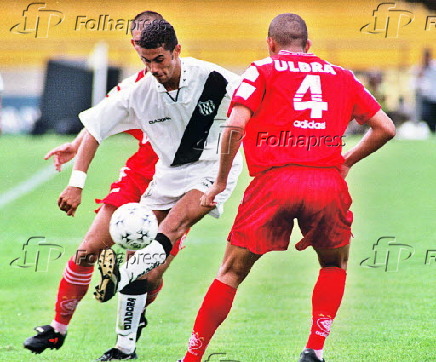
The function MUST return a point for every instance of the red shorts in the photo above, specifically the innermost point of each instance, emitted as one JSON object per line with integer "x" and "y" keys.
{"x": 129, "y": 188}
{"x": 317, "y": 197}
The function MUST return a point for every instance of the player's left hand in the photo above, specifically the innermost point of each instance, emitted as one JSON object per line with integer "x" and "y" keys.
{"x": 207, "y": 200}
{"x": 70, "y": 199}
{"x": 61, "y": 154}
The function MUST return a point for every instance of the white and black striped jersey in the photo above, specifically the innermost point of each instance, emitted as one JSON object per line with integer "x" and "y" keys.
{"x": 184, "y": 125}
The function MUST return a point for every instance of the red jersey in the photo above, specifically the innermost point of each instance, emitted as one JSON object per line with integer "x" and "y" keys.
{"x": 301, "y": 107}
{"x": 143, "y": 160}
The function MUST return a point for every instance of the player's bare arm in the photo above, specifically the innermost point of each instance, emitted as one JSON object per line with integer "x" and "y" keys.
{"x": 381, "y": 131}
{"x": 65, "y": 152}
{"x": 70, "y": 199}
{"x": 231, "y": 141}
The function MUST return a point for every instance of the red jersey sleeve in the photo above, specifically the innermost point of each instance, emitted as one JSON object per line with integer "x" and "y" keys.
{"x": 365, "y": 105}
{"x": 251, "y": 90}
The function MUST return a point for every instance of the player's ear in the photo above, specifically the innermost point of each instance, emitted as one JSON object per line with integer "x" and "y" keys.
{"x": 177, "y": 50}
{"x": 308, "y": 45}
{"x": 271, "y": 45}
{"x": 132, "y": 41}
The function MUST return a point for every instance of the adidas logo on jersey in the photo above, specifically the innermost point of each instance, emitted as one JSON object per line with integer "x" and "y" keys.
{"x": 312, "y": 125}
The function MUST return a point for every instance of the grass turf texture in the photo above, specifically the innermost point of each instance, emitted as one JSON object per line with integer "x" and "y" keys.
{"x": 385, "y": 316}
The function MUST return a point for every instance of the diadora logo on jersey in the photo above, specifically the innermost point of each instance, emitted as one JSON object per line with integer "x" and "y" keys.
{"x": 159, "y": 120}
{"x": 206, "y": 108}
{"x": 311, "y": 125}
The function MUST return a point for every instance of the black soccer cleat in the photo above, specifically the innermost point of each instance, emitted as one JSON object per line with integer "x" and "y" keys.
{"x": 309, "y": 355}
{"x": 142, "y": 324}
{"x": 46, "y": 337}
{"x": 109, "y": 274}
{"x": 116, "y": 354}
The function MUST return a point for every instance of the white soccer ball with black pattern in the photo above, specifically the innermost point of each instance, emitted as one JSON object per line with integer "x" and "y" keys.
{"x": 133, "y": 226}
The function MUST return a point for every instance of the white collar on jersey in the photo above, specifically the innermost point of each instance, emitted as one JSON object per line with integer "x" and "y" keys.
{"x": 183, "y": 78}
{"x": 281, "y": 52}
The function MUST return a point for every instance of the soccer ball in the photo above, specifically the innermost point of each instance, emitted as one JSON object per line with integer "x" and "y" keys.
{"x": 133, "y": 226}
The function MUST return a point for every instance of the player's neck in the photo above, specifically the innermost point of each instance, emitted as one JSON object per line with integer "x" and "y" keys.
{"x": 291, "y": 50}
{"x": 174, "y": 82}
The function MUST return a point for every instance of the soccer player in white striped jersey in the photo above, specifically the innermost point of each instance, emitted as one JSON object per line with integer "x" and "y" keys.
{"x": 181, "y": 105}
{"x": 135, "y": 177}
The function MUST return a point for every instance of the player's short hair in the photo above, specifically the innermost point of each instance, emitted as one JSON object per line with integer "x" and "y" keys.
{"x": 144, "y": 18}
{"x": 159, "y": 33}
{"x": 288, "y": 29}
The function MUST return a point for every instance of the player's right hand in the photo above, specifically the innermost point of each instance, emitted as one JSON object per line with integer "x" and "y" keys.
{"x": 61, "y": 155}
{"x": 70, "y": 199}
{"x": 208, "y": 198}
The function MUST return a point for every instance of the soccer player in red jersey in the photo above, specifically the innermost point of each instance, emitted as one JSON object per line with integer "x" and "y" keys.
{"x": 134, "y": 179}
{"x": 291, "y": 111}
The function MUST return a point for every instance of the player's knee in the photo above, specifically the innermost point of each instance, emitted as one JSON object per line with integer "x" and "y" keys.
{"x": 334, "y": 261}
{"x": 155, "y": 275}
{"x": 233, "y": 272}
{"x": 88, "y": 251}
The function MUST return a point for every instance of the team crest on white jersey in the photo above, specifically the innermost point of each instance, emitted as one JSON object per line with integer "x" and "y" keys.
{"x": 206, "y": 108}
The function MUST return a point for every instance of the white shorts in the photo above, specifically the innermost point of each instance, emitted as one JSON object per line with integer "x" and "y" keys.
{"x": 169, "y": 184}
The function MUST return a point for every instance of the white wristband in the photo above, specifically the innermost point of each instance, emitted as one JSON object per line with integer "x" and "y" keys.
{"x": 77, "y": 179}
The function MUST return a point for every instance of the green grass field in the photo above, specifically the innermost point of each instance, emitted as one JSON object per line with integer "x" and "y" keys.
{"x": 385, "y": 315}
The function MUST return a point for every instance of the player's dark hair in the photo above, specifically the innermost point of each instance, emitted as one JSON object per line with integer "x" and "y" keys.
{"x": 159, "y": 33}
{"x": 144, "y": 18}
{"x": 288, "y": 29}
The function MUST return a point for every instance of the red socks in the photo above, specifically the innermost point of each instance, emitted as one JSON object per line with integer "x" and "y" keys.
{"x": 214, "y": 310}
{"x": 326, "y": 299}
{"x": 72, "y": 288}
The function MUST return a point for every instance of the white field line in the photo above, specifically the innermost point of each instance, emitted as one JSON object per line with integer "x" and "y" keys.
{"x": 40, "y": 177}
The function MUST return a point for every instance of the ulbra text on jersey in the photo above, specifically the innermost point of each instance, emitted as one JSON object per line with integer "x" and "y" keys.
{"x": 312, "y": 67}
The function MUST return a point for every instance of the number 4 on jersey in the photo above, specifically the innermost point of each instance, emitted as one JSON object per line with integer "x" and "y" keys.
{"x": 316, "y": 105}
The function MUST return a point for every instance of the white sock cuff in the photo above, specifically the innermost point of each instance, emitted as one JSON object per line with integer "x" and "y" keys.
{"x": 59, "y": 327}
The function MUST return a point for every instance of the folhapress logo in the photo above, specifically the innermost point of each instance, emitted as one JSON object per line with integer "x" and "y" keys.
{"x": 388, "y": 20}
{"x": 388, "y": 254}
{"x": 37, "y": 254}
{"x": 38, "y": 19}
